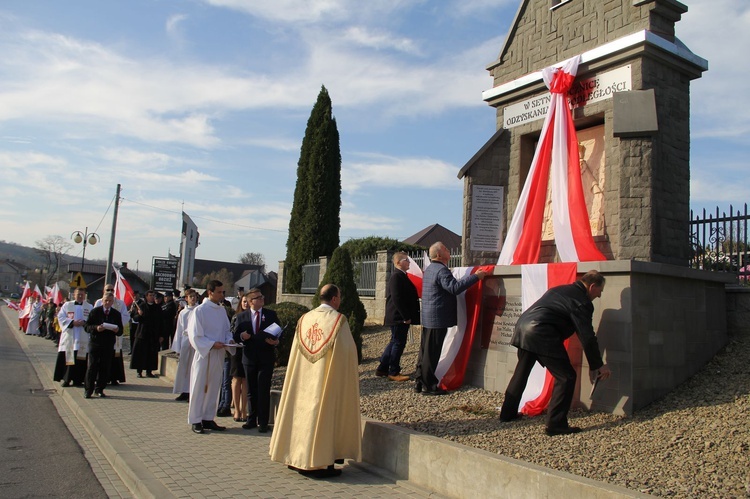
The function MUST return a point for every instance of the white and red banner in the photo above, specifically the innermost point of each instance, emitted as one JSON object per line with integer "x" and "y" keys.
{"x": 454, "y": 357}
{"x": 415, "y": 275}
{"x": 11, "y": 305}
{"x": 123, "y": 291}
{"x": 536, "y": 279}
{"x": 56, "y": 295}
{"x": 556, "y": 152}
{"x": 25, "y": 295}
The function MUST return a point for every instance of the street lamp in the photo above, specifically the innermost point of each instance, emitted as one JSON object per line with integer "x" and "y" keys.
{"x": 86, "y": 238}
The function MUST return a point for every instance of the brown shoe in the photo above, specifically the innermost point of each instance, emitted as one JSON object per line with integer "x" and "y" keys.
{"x": 398, "y": 377}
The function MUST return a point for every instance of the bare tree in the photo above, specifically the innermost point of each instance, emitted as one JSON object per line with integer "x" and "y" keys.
{"x": 223, "y": 275}
{"x": 254, "y": 259}
{"x": 52, "y": 249}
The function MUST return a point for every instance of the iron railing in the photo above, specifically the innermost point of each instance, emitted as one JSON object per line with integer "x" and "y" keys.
{"x": 364, "y": 275}
{"x": 310, "y": 277}
{"x": 719, "y": 242}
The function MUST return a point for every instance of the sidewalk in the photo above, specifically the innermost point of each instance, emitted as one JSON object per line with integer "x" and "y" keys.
{"x": 141, "y": 432}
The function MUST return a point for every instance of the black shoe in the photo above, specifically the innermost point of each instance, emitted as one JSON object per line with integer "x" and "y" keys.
{"x": 224, "y": 412}
{"x": 515, "y": 417}
{"x": 101, "y": 394}
{"x": 263, "y": 428}
{"x": 150, "y": 375}
{"x": 65, "y": 384}
{"x": 380, "y": 374}
{"x": 182, "y": 397}
{"x": 197, "y": 428}
{"x": 249, "y": 425}
{"x": 87, "y": 395}
{"x": 418, "y": 386}
{"x": 329, "y": 472}
{"x": 139, "y": 375}
{"x": 115, "y": 382}
{"x": 436, "y": 391}
{"x": 211, "y": 425}
{"x": 551, "y": 432}
{"x": 338, "y": 461}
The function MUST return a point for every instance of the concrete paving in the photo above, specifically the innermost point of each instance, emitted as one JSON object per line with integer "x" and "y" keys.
{"x": 140, "y": 445}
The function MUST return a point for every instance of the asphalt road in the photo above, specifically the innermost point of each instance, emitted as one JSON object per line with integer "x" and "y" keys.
{"x": 38, "y": 456}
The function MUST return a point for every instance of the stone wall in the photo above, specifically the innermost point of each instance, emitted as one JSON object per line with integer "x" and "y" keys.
{"x": 657, "y": 325}
{"x": 375, "y": 306}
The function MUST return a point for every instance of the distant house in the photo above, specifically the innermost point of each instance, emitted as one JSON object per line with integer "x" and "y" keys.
{"x": 246, "y": 276}
{"x": 432, "y": 234}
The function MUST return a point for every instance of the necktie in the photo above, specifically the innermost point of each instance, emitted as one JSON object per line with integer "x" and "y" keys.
{"x": 257, "y": 321}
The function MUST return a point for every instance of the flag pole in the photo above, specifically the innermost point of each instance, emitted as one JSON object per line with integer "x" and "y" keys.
{"x": 112, "y": 237}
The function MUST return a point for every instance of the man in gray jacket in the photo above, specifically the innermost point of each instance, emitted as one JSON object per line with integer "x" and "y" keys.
{"x": 439, "y": 312}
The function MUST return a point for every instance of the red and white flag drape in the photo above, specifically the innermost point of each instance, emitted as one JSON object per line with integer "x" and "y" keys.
{"x": 454, "y": 357}
{"x": 415, "y": 275}
{"x": 535, "y": 281}
{"x": 56, "y": 295}
{"x": 25, "y": 297}
{"x": 557, "y": 152}
{"x": 123, "y": 291}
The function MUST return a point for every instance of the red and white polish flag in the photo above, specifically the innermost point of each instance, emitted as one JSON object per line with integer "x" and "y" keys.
{"x": 556, "y": 155}
{"x": 451, "y": 368}
{"x": 123, "y": 290}
{"x": 536, "y": 279}
{"x": 415, "y": 275}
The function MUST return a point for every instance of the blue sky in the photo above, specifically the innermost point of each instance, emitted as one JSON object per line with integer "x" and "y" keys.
{"x": 205, "y": 102}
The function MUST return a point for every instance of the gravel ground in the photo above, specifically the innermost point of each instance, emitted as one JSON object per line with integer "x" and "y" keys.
{"x": 693, "y": 443}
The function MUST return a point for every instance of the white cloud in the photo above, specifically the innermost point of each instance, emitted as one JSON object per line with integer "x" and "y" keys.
{"x": 719, "y": 96}
{"x": 382, "y": 40}
{"x": 173, "y": 25}
{"x": 393, "y": 172}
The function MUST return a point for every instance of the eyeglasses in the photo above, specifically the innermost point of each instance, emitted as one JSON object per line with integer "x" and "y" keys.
{"x": 257, "y": 297}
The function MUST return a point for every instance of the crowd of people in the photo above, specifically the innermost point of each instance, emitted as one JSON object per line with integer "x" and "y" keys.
{"x": 226, "y": 355}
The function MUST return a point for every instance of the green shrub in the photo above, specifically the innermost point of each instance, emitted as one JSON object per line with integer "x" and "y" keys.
{"x": 289, "y": 314}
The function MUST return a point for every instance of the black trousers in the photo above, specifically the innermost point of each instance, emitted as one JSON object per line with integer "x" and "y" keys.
{"x": 562, "y": 393}
{"x": 258, "y": 391}
{"x": 99, "y": 366}
{"x": 432, "y": 344}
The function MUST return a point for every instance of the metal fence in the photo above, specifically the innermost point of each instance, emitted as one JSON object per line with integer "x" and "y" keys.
{"x": 364, "y": 275}
{"x": 719, "y": 242}
{"x": 310, "y": 277}
{"x": 420, "y": 256}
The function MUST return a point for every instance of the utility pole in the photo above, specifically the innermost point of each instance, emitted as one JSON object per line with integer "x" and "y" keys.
{"x": 110, "y": 257}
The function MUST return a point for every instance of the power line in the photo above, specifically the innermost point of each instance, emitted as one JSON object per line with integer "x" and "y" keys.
{"x": 204, "y": 218}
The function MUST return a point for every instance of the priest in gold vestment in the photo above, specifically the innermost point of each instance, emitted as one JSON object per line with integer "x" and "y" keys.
{"x": 318, "y": 421}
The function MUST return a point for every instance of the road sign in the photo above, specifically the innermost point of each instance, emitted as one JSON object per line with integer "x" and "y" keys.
{"x": 77, "y": 281}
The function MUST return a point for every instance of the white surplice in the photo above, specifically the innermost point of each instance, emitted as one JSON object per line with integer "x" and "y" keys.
{"x": 207, "y": 324}
{"x": 73, "y": 338}
{"x": 181, "y": 344}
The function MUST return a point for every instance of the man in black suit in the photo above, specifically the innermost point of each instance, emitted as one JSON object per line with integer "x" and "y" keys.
{"x": 258, "y": 357}
{"x": 103, "y": 325}
{"x": 401, "y": 311}
{"x": 539, "y": 335}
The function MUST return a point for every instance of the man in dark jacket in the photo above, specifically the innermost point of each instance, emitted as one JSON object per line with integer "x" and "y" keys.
{"x": 145, "y": 354}
{"x": 539, "y": 335}
{"x": 439, "y": 312}
{"x": 401, "y": 311}
{"x": 258, "y": 357}
{"x": 103, "y": 325}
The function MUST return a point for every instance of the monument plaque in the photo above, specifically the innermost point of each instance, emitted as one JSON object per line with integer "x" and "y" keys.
{"x": 503, "y": 324}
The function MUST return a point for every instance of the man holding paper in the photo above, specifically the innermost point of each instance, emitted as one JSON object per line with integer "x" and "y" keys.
{"x": 209, "y": 334}
{"x": 258, "y": 329}
{"x": 104, "y": 325}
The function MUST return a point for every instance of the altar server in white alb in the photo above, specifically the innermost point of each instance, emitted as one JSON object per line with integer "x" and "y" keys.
{"x": 74, "y": 340}
{"x": 209, "y": 333}
{"x": 181, "y": 345}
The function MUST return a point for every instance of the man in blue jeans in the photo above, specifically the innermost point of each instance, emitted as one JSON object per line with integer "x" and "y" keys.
{"x": 401, "y": 311}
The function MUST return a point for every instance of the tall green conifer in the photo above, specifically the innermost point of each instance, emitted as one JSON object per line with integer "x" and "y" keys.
{"x": 315, "y": 221}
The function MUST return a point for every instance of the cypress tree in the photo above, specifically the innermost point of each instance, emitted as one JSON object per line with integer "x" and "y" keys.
{"x": 341, "y": 273}
{"x": 315, "y": 220}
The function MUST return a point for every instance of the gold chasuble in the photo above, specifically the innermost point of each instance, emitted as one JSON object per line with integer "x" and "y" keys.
{"x": 318, "y": 420}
